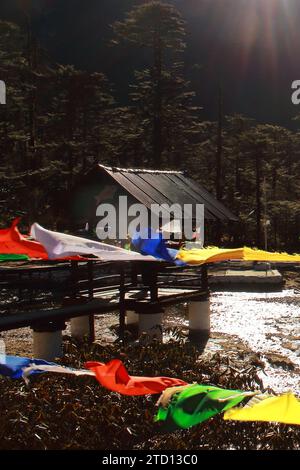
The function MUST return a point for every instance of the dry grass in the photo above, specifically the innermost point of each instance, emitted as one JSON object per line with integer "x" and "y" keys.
{"x": 61, "y": 412}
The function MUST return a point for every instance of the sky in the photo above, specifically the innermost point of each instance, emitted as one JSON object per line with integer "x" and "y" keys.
{"x": 250, "y": 47}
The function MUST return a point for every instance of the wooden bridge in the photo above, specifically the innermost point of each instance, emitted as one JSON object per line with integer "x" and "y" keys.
{"x": 79, "y": 290}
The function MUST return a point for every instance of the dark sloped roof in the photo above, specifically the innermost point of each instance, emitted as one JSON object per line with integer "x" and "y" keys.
{"x": 167, "y": 187}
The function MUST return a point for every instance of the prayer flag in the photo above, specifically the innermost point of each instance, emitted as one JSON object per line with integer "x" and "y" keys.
{"x": 8, "y": 257}
{"x": 198, "y": 256}
{"x": 115, "y": 377}
{"x": 11, "y": 241}
{"x": 153, "y": 244}
{"x": 283, "y": 409}
{"x": 13, "y": 366}
{"x": 62, "y": 245}
{"x": 195, "y": 404}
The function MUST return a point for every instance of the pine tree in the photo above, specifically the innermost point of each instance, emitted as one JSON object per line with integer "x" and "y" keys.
{"x": 161, "y": 94}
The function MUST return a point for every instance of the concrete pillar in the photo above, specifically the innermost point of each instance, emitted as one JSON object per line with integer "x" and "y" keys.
{"x": 80, "y": 327}
{"x": 47, "y": 342}
{"x": 151, "y": 324}
{"x": 132, "y": 323}
{"x": 199, "y": 317}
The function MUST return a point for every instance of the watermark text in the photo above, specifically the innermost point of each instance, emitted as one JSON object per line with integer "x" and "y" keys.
{"x": 176, "y": 221}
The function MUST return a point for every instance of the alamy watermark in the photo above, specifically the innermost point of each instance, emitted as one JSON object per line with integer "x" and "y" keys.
{"x": 176, "y": 221}
{"x": 2, "y": 92}
{"x": 296, "y": 92}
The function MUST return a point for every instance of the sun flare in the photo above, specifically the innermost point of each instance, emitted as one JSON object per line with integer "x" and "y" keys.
{"x": 259, "y": 29}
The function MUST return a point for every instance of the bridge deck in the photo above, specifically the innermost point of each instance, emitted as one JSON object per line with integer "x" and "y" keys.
{"x": 85, "y": 290}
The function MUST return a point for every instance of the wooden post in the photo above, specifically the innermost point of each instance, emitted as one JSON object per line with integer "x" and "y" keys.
{"x": 134, "y": 274}
{"x": 91, "y": 296}
{"x": 153, "y": 286}
{"x": 122, "y": 303}
{"x": 20, "y": 287}
{"x": 204, "y": 278}
{"x": 31, "y": 287}
{"x": 74, "y": 277}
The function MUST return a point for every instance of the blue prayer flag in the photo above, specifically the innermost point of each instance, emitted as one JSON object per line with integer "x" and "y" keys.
{"x": 153, "y": 244}
{"x": 12, "y": 366}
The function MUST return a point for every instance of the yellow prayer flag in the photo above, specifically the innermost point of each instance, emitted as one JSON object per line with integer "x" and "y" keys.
{"x": 215, "y": 255}
{"x": 283, "y": 409}
{"x": 209, "y": 255}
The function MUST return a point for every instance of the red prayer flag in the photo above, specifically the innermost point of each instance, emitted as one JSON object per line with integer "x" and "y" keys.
{"x": 115, "y": 377}
{"x": 13, "y": 242}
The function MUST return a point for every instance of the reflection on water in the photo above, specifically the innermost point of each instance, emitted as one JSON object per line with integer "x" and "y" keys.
{"x": 268, "y": 323}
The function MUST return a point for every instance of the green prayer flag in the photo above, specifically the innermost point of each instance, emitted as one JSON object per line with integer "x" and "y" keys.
{"x": 4, "y": 258}
{"x": 195, "y": 404}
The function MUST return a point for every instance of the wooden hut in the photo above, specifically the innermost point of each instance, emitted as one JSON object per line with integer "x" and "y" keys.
{"x": 104, "y": 184}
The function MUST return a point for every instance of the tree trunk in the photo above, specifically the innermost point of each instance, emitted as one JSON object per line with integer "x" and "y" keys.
{"x": 157, "y": 118}
{"x": 274, "y": 197}
{"x": 32, "y": 99}
{"x": 258, "y": 199}
{"x": 237, "y": 174}
{"x": 219, "y": 188}
{"x": 219, "y": 154}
